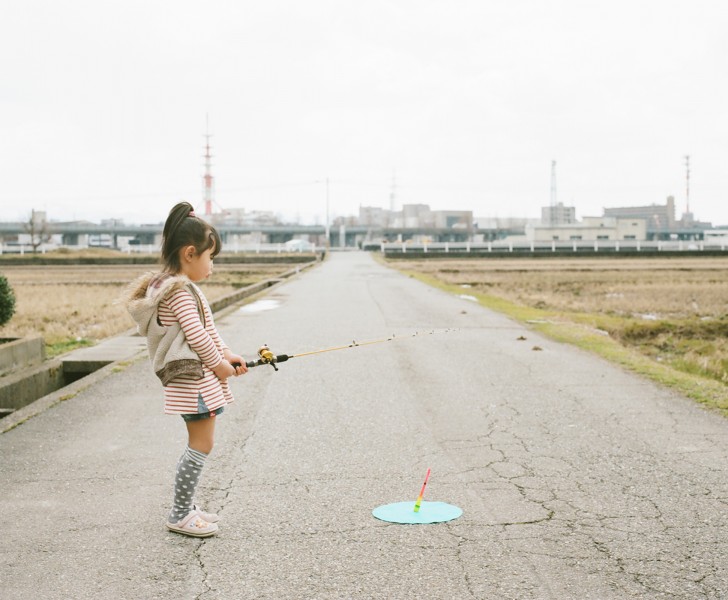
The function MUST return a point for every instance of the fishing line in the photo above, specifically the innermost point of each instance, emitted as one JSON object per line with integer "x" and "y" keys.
{"x": 266, "y": 356}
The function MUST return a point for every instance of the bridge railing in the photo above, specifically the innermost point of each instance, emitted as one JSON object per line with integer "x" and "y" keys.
{"x": 237, "y": 249}
{"x": 560, "y": 246}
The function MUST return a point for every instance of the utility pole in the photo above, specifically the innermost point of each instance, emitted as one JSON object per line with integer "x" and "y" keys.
{"x": 553, "y": 183}
{"x": 208, "y": 170}
{"x": 687, "y": 184}
{"x": 389, "y": 215}
{"x": 393, "y": 193}
{"x": 328, "y": 239}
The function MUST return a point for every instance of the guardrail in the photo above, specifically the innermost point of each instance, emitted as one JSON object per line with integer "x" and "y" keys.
{"x": 554, "y": 247}
{"x": 237, "y": 249}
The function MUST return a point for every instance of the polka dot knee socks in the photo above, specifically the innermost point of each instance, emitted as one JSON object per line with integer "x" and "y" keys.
{"x": 189, "y": 468}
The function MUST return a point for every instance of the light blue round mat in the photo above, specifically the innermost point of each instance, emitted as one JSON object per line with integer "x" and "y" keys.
{"x": 430, "y": 512}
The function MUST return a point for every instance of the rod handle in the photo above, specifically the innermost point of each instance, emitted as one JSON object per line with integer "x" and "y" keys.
{"x": 249, "y": 363}
{"x": 256, "y": 363}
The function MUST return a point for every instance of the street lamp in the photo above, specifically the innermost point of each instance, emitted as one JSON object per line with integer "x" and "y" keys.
{"x": 328, "y": 243}
{"x": 327, "y": 228}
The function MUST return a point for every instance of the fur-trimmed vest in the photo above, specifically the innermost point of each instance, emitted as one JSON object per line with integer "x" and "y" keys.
{"x": 169, "y": 351}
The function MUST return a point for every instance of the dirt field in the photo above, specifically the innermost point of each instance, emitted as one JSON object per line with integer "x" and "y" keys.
{"x": 674, "y": 310}
{"x": 77, "y": 304}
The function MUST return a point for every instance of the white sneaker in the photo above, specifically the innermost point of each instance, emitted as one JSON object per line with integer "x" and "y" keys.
{"x": 194, "y": 525}
{"x": 209, "y": 517}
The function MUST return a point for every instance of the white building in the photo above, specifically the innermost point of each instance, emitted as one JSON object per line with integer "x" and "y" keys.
{"x": 592, "y": 229}
{"x": 558, "y": 214}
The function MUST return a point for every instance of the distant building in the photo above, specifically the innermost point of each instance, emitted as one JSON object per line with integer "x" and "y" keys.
{"x": 453, "y": 219}
{"x": 661, "y": 221}
{"x": 593, "y": 229}
{"x": 414, "y": 216}
{"x": 415, "y": 222}
{"x": 499, "y": 228}
{"x": 657, "y": 216}
{"x": 558, "y": 214}
{"x": 231, "y": 218}
{"x": 242, "y": 217}
{"x": 373, "y": 216}
{"x": 717, "y": 236}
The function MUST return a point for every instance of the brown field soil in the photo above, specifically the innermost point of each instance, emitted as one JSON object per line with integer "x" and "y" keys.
{"x": 77, "y": 305}
{"x": 673, "y": 311}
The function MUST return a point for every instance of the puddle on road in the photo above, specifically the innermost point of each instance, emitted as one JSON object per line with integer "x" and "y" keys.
{"x": 260, "y": 306}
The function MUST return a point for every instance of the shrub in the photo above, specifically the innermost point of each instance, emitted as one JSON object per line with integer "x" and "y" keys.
{"x": 7, "y": 301}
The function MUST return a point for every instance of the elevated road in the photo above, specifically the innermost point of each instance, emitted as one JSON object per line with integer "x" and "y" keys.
{"x": 349, "y": 235}
{"x": 88, "y": 228}
{"x": 577, "y": 479}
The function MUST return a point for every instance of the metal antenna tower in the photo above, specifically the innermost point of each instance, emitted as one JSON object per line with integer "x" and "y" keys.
{"x": 208, "y": 170}
{"x": 553, "y": 183}
{"x": 393, "y": 192}
{"x": 687, "y": 184}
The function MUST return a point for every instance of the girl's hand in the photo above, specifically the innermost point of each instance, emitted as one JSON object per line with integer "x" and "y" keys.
{"x": 224, "y": 370}
{"x": 240, "y": 369}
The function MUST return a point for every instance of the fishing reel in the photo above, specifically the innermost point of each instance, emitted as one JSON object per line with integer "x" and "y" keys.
{"x": 266, "y": 357}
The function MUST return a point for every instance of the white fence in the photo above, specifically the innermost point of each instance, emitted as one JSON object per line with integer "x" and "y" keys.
{"x": 581, "y": 246}
{"x": 236, "y": 249}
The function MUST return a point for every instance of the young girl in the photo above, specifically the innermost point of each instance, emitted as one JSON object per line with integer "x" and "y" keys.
{"x": 187, "y": 353}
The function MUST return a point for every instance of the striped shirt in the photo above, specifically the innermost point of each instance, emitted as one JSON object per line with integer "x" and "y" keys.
{"x": 184, "y": 394}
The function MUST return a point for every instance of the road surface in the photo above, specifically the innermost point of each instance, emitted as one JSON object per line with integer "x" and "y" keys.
{"x": 577, "y": 479}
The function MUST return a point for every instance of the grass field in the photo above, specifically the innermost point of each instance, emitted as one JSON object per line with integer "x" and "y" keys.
{"x": 666, "y": 318}
{"x": 77, "y": 305}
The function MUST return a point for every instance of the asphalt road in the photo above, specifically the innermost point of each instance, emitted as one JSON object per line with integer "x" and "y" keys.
{"x": 577, "y": 479}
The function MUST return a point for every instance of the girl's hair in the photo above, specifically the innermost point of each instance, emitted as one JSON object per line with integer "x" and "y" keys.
{"x": 182, "y": 228}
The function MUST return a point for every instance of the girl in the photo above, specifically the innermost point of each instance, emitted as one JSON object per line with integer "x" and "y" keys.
{"x": 187, "y": 353}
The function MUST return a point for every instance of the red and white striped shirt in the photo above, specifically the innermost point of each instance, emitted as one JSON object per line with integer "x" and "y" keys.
{"x": 184, "y": 394}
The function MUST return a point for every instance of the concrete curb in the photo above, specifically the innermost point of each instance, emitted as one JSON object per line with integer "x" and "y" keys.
{"x": 21, "y": 353}
{"x": 42, "y": 404}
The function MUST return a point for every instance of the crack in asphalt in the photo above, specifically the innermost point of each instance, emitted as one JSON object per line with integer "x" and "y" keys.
{"x": 461, "y": 541}
{"x": 206, "y": 587}
{"x": 636, "y": 511}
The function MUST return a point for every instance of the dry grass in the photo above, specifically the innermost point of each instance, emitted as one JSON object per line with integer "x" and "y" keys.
{"x": 78, "y": 304}
{"x": 655, "y": 289}
{"x": 674, "y": 311}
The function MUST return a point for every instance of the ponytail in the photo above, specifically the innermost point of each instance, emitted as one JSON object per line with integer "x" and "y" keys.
{"x": 183, "y": 228}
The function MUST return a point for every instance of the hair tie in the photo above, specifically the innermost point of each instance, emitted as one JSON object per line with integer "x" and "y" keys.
{"x": 192, "y": 214}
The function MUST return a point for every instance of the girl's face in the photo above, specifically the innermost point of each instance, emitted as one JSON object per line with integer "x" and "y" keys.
{"x": 196, "y": 266}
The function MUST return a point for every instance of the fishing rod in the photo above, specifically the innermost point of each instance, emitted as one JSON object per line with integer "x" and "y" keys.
{"x": 266, "y": 356}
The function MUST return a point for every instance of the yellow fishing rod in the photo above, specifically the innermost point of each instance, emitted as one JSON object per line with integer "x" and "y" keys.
{"x": 266, "y": 356}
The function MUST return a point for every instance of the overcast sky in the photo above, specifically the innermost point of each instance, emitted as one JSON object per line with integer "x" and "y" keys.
{"x": 464, "y": 103}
